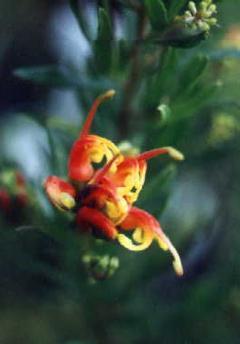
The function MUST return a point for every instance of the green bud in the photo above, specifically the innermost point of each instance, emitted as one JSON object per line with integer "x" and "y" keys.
{"x": 192, "y": 7}
{"x": 213, "y": 8}
{"x": 100, "y": 268}
{"x": 203, "y": 26}
{"x": 165, "y": 112}
{"x": 200, "y": 17}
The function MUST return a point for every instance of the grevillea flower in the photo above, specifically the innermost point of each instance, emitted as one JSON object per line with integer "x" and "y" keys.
{"x": 103, "y": 197}
{"x": 13, "y": 194}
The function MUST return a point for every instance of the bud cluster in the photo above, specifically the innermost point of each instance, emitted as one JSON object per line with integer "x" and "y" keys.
{"x": 200, "y": 17}
{"x": 224, "y": 128}
{"x": 100, "y": 268}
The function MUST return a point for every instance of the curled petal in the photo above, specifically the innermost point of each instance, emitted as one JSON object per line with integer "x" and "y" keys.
{"x": 104, "y": 198}
{"x": 60, "y": 193}
{"x": 94, "y": 220}
{"x": 146, "y": 228}
{"x": 129, "y": 178}
{"x": 166, "y": 244}
{"x": 129, "y": 244}
{"x": 89, "y": 149}
{"x": 110, "y": 166}
{"x": 130, "y": 173}
{"x": 86, "y": 151}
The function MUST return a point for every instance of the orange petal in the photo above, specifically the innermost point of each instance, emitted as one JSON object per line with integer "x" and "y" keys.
{"x": 86, "y": 151}
{"x": 142, "y": 220}
{"x": 90, "y": 149}
{"x": 129, "y": 178}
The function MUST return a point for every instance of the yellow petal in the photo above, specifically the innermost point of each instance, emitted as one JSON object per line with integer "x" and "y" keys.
{"x": 66, "y": 201}
{"x": 128, "y": 243}
{"x": 165, "y": 243}
{"x": 138, "y": 235}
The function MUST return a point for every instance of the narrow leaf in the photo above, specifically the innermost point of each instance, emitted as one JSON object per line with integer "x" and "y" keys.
{"x": 75, "y": 7}
{"x": 104, "y": 26}
{"x": 157, "y": 14}
{"x": 103, "y": 43}
{"x": 192, "y": 71}
{"x": 175, "y": 7}
{"x": 54, "y": 76}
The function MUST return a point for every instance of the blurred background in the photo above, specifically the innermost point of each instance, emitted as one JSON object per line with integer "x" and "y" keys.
{"x": 177, "y": 86}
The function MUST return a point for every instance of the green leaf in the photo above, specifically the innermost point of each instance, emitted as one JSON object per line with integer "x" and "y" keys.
{"x": 157, "y": 14}
{"x": 103, "y": 43}
{"x": 155, "y": 194}
{"x": 192, "y": 71}
{"x": 179, "y": 36}
{"x": 104, "y": 26}
{"x": 53, "y": 76}
{"x": 74, "y": 4}
{"x": 175, "y": 7}
{"x": 61, "y": 77}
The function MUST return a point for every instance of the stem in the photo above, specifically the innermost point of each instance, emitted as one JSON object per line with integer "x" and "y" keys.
{"x": 132, "y": 82}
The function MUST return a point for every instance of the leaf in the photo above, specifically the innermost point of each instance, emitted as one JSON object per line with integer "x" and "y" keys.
{"x": 61, "y": 77}
{"x": 192, "y": 71}
{"x": 155, "y": 195}
{"x": 121, "y": 55}
{"x": 175, "y": 7}
{"x": 223, "y": 54}
{"x": 104, "y": 26}
{"x": 157, "y": 14}
{"x": 74, "y": 4}
{"x": 179, "y": 36}
{"x": 50, "y": 75}
{"x": 103, "y": 43}
{"x": 129, "y": 4}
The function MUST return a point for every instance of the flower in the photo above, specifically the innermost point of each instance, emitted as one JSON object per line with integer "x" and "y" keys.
{"x": 200, "y": 17}
{"x": 13, "y": 194}
{"x": 102, "y": 198}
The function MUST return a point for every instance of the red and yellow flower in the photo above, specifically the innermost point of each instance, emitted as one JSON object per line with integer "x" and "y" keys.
{"x": 103, "y": 197}
{"x": 14, "y": 196}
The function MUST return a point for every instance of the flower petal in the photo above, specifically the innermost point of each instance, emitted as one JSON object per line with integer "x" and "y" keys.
{"x": 90, "y": 149}
{"x": 93, "y": 219}
{"x": 60, "y": 193}
{"x": 86, "y": 151}
{"x": 138, "y": 219}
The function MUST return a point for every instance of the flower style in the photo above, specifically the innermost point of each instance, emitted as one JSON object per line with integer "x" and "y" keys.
{"x": 102, "y": 198}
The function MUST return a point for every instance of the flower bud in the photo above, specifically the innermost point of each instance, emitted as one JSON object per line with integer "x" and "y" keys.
{"x": 60, "y": 193}
{"x": 100, "y": 268}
